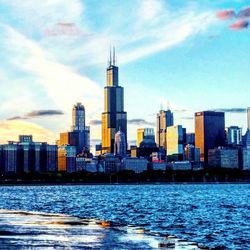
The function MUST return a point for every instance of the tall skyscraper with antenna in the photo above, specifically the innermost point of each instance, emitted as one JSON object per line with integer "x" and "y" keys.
{"x": 114, "y": 118}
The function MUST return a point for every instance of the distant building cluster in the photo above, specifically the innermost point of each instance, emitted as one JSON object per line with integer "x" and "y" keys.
{"x": 169, "y": 146}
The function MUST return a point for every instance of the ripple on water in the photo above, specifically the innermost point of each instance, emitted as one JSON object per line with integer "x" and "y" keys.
{"x": 213, "y": 215}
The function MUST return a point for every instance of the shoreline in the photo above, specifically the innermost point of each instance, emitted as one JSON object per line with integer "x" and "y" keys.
{"x": 114, "y": 184}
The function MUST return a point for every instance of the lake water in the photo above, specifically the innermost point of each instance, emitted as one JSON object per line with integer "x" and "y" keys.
{"x": 140, "y": 216}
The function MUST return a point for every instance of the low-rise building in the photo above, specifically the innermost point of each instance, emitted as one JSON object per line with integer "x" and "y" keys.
{"x": 138, "y": 165}
{"x": 111, "y": 163}
{"x": 181, "y": 165}
{"x": 67, "y": 158}
{"x": 159, "y": 166}
{"x": 223, "y": 158}
{"x": 246, "y": 159}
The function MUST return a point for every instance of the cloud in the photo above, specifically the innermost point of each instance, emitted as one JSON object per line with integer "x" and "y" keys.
{"x": 65, "y": 29}
{"x": 10, "y": 130}
{"x": 46, "y": 112}
{"x": 239, "y": 25}
{"x": 139, "y": 121}
{"x": 225, "y": 14}
{"x": 131, "y": 122}
{"x": 181, "y": 110}
{"x": 95, "y": 122}
{"x": 37, "y": 113}
{"x": 187, "y": 118}
{"x": 16, "y": 118}
{"x": 244, "y": 13}
{"x": 231, "y": 110}
{"x": 65, "y": 85}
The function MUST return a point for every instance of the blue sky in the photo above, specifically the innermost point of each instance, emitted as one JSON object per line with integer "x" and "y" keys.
{"x": 54, "y": 54}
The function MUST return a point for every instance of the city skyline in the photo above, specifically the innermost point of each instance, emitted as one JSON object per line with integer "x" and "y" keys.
{"x": 175, "y": 55}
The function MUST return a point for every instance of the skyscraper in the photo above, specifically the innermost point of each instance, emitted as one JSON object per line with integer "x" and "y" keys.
{"x": 248, "y": 118}
{"x": 78, "y": 117}
{"x": 209, "y": 131}
{"x": 175, "y": 142}
{"x": 164, "y": 119}
{"x": 79, "y": 134}
{"x": 114, "y": 118}
{"x": 120, "y": 144}
{"x": 234, "y": 135}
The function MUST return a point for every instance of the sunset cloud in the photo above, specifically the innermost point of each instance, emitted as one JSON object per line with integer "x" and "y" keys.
{"x": 239, "y": 25}
{"x": 10, "y": 130}
{"x": 225, "y": 14}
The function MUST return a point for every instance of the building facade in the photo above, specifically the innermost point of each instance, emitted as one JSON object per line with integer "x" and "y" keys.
{"x": 144, "y": 133}
{"x": 79, "y": 136}
{"x": 234, "y": 135}
{"x": 165, "y": 118}
{"x": 120, "y": 146}
{"x": 175, "y": 142}
{"x": 27, "y": 156}
{"x": 223, "y": 158}
{"x": 209, "y": 131}
{"x": 114, "y": 118}
{"x": 192, "y": 153}
{"x": 248, "y": 118}
{"x": 138, "y": 165}
{"x": 246, "y": 151}
{"x": 67, "y": 158}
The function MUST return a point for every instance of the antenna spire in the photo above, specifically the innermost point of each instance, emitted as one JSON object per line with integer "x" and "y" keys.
{"x": 113, "y": 55}
{"x": 161, "y": 107}
{"x": 110, "y": 58}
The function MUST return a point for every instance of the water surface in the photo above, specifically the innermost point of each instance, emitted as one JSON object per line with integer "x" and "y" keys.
{"x": 212, "y": 215}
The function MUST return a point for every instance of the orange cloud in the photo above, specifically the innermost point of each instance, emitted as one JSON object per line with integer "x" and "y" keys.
{"x": 10, "y": 130}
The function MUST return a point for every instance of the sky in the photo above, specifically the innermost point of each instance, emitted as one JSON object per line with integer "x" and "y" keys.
{"x": 186, "y": 55}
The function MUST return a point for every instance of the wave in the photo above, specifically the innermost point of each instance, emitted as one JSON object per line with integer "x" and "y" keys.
{"x": 28, "y": 229}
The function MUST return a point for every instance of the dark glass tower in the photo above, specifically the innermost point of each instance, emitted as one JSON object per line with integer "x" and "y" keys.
{"x": 209, "y": 131}
{"x": 114, "y": 118}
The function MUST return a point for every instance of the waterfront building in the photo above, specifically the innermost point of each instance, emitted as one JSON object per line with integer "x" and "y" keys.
{"x": 79, "y": 134}
{"x": 234, "y": 135}
{"x": 192, "y": 153}
{"x": 27, "y": 156}
{"x": 67, "y": 158}
{"x": 159, "y": 166}
{"x": 223, "y": 157}
{"x": 114, "y": 118}
{"x": 165, "y": 118}
{"x": 12, "y": 158}
{"x": 111, "y": 163}
{"x": 246, "y": 159}
{"x": 91, "y": 166}
{"x": 209, "y": 131}
{"x": 246, "y": 151}
{"x": 120, "y": 146}
{"x": 181, "y": 165}
{"x": 175, "y": 142}
{"x": 138, "y": 165}
{"x": 144, "y": 133}
{"x": 49, "y": 158}
{"x": 146, "y": 149}
{"x": 248, "y": 118}
{"x": 190, "y": 138}
{"x": 1, "y": 160}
